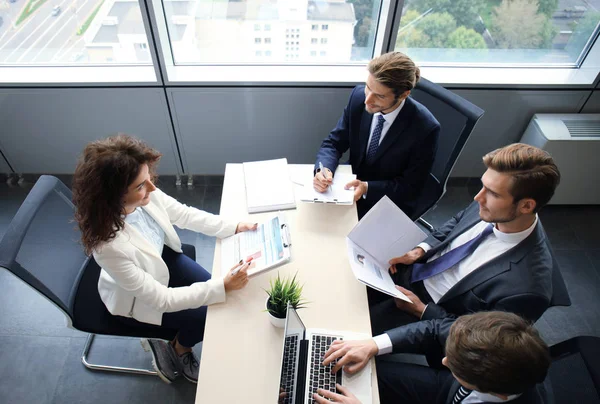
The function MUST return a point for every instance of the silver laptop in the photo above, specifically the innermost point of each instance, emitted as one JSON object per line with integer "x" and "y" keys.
{"x": 302, "y": 372}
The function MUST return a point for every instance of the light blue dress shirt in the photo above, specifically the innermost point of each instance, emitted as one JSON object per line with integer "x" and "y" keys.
{"x": 147, "y": 226}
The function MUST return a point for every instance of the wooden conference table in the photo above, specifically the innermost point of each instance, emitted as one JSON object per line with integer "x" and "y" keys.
{"x": 241, "y": 353}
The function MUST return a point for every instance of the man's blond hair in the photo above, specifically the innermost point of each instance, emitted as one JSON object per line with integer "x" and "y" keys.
{"x": 396, "y": 71}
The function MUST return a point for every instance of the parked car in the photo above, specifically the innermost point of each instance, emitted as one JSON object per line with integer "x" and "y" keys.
{"x": 55, "y": 11}
{"x": 12, "y": 1}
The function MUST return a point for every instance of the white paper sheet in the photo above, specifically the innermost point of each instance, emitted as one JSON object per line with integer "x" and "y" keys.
{"x": 268, "y": 186}
{"x": 268, "y": 246}
{"x": 335, "y": 193}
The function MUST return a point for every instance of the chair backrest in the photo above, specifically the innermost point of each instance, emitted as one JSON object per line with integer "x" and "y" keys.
{"x": 575, "y": 370}
{"x": 41, "y": 245}
{"x": 457, "y": 118}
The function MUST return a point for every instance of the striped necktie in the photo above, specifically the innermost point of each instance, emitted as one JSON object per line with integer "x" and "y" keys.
{"x": 375, "y": 139}
{"x": 451, "y": 258}
{"x": 461, "y": 394}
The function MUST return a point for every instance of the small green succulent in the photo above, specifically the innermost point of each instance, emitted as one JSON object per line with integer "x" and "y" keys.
{"x": 283, "y": 291}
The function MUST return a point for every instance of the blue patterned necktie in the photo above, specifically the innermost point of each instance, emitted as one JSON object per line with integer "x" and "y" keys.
{"x": 451, "y": 258}
{"x": 375, "y": 139}
{"x": 461, "y": 394}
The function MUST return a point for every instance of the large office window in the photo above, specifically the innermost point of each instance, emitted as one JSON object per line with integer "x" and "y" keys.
{"x": 72, "y": 32}
{"x": 224, "y": 31}
{"x": 498, "y": 32}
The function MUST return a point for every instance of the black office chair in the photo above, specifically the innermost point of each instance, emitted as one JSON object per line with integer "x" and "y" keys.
{"x": 41, "y": 246}
{"x": 457, "y": 117}
{"x": 575, "y": 370}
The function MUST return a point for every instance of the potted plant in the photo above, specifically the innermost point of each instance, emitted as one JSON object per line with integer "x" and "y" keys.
{"x": 280, "y": 293}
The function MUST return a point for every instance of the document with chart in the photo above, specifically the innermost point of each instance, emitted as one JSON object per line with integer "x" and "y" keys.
{"x": 385, "y": 232}
{"x": 268, "y": 246}
{"x": 335, "y": 194}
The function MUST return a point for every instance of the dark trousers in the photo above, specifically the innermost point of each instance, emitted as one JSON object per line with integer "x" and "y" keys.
{"x": 384, "y": 313}
{"x": 408, "y": 383}
{"x": 183, "y": 271}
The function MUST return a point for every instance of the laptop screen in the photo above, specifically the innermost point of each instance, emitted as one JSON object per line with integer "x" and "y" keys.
{"x": 294, "y": 334}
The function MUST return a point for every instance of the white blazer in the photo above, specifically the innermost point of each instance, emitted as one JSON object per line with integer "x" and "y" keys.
{"x": 134, "y": 278}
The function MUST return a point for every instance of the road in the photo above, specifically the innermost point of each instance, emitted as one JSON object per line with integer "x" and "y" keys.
{"x": 44, "y": 38}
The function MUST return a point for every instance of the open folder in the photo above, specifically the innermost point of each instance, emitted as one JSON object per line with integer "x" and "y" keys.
{"x": 335, "y": 193}
{"x": 268, "y": 186}
{"x": 268, "y": 246}
{"x": 385, "y": 232}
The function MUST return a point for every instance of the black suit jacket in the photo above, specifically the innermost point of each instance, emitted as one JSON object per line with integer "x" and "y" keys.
{"x": 524, "y": 280}
{"x": 404, "y": 157}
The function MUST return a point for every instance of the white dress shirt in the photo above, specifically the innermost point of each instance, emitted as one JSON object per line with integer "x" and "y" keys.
{"x": 492, "y": 246}
{"x": 389, "y": 119}
{"x": 478, "y": 397}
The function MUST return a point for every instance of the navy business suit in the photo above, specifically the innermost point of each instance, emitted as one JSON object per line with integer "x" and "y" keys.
{"x": 404, "y": 157}
{"x": 524, "y": 280}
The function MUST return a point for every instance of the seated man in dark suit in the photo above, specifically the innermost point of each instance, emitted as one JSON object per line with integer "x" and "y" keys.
{"x": 392, "y": 138}
{"x": 494, "y": 255}
{"x": 491, "y": 357}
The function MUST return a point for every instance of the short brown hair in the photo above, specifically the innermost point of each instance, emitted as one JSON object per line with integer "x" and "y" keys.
{"x": 396, "y": 71}
{"x": 497, "y": 352}
{"x": 533, "y": 172}
{"x": 104, "y": 172}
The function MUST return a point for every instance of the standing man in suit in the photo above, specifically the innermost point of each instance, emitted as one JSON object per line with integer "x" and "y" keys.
{"x": 491, "y": 357}
{"x": 494, "y": 255}
{"x": 392, "y": 138}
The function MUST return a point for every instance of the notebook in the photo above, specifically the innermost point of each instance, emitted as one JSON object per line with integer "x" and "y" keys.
{"x": 268, "y": 186}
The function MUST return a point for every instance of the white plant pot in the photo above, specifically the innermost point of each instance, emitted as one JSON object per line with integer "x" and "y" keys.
{"x": 277, "y": 322}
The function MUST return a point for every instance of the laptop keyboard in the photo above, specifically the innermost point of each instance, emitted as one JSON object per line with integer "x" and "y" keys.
{"x": 320, "y": 376}
{"x": 286, "y": 392}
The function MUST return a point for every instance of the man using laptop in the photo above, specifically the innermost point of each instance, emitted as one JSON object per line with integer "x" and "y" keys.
{"x": 490, "y": 357}
{"x": 494, "y": 255}
{"x": 391, "y": 137}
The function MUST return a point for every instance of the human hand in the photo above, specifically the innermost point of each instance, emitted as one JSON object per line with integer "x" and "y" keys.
{"x": 322, "y": 180}
{"x": 360, "y": 188}
{"x": 235, "y": 281}
{"x": 345, "y": 397}
{"x": 245, "y": 226}
{"x": 407, "y": 259}
{"x": 350, "y": 355}
{"x": 416, "y": 308}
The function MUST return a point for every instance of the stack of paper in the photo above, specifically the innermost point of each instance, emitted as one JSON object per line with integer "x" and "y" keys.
{"x": 268, "y": 186}
{"x": 385, "y": 232}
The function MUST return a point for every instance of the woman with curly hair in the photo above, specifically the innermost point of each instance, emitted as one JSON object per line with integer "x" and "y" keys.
{"x": 127, "y": 224}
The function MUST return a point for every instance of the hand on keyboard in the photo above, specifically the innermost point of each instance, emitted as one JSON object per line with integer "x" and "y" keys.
{"x": 342, "y": 396}
{"x": 352, "y": 356}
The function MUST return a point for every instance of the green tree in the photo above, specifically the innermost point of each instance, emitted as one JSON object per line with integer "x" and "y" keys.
{"x": 465, "y": 38}
{"x": 465, "y": 12}
{"x": 516, "y": 24}
{"x": 437, "y": 26}
{"x": 363, "y": 12}
{"x": 547, "y": 7}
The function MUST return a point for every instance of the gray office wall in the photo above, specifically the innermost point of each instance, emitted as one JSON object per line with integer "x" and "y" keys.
{"x": 507, "y": 114}
{"x": 593, "y": 104}
{"x": 220, "y": 125}
{"x": 4, "y": 168}
{"x": 44, "y": 130}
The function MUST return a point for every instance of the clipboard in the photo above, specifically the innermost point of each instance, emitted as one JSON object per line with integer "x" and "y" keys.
{"x": 335, "y": 194}
{"x": 269, "y": 246}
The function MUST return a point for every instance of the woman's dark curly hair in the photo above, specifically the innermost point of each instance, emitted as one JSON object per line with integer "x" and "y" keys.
{"x": 104, "y": 172}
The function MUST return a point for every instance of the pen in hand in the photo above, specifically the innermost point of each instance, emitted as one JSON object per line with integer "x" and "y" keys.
{"x": 239, "y": 267}
{"x": 322, "y": 169}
